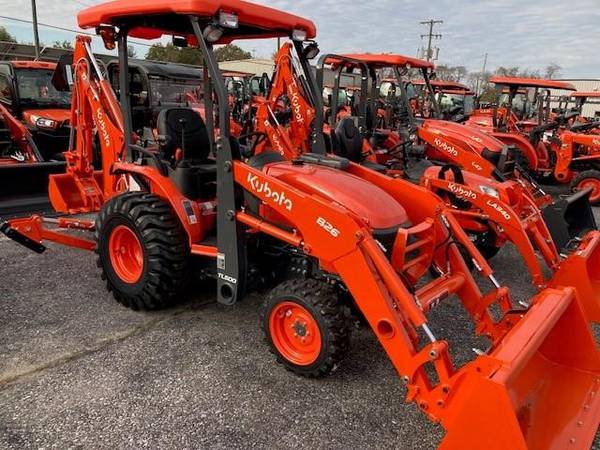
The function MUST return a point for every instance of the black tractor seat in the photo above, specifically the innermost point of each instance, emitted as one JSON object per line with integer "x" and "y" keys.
{"x": 193, "y": 171}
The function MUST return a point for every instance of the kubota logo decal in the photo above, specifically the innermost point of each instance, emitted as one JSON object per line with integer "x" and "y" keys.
{"x": 499, "y": 208}
{"x": 262, "y": 187}
{"x": 460, "y": 191}
{"x": 441, "y": 145}
{"x": 102, "y": 127}
{"x": 297, "y": 108}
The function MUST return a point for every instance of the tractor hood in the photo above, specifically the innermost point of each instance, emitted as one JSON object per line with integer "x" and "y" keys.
{"x": 464, "y": 134}
{"x": 51, "y": 118}
{"x": 364, "y": 199}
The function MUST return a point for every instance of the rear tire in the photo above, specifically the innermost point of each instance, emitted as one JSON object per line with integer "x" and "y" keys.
{"x": 142, "y": 251}
{"x": 486, "y": 244}
{"x": 588, "y": 178}
{"x": 306, "y": 327}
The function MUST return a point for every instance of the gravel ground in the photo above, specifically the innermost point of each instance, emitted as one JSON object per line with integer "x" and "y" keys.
{"x": 79, "y": 371}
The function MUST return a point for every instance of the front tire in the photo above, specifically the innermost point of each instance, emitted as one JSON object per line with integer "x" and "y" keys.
{"x": 588, "y": 178}
{"x": 306, "y": 327}
{"x": 142, "y": 251}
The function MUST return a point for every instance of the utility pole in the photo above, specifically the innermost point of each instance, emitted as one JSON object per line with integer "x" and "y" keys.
{"x": 481, "y": 75}
{"x": 36, "y": 36}
{"x": 430, "y": 36}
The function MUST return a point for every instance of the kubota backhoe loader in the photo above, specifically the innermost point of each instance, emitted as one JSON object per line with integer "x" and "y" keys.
{"x": 333, "y": 230}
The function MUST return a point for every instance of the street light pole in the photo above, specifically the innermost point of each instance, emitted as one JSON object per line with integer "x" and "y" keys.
{"x": 36, "y": 36}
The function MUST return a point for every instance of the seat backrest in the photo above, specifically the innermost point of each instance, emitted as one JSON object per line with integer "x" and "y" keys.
{"x": 348, "y": 140}
{"x": 179, "y": 125}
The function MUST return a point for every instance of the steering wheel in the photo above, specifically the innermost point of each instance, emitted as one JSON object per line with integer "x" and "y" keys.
{"x": 260, "y": 137}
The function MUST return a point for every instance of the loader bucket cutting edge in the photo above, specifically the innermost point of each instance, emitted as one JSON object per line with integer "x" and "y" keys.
{"x": 24, "y": 187}
{"x": 538, "y": 389}
{"x": 569, "y": 217}
{"x": 64, "y": 193}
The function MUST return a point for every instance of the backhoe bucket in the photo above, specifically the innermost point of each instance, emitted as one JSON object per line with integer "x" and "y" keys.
{"x": 538, "y": 388}
{"x": 67, "y": 192}
{"x": 569, "y": 217}
{"x": 24, "y": 187}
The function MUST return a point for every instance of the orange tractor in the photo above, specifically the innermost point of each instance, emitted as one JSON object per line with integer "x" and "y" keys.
{"x": 548, "y": 147}
{"x": 494, "y": 206}
{"x": 34, "y": 134}
{"x": 331, "y": 233}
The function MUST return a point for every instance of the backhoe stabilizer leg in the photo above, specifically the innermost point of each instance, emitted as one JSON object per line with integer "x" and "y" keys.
{"x": 21, "y": 238}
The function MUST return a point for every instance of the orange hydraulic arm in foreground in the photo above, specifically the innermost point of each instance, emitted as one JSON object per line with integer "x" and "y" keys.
{"x": 94, "y": 107}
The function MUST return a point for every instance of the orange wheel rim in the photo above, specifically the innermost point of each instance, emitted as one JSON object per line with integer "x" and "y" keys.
{"x": 126, "y": 254}
{"x": 591, "y": 183}
{"x": 295, "y": 333}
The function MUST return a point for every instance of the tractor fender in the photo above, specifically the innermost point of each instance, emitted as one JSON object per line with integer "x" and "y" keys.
{"x": 524, "y": 146}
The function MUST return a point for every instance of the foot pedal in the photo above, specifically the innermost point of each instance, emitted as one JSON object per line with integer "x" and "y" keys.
{"x": 20, "y": 238}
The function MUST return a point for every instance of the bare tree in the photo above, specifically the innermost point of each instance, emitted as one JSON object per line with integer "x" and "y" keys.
{"x": 553, "y": 70}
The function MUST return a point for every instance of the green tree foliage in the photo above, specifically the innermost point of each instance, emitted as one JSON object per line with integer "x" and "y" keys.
{"x": 188, "y": 55}
{"x": 170, "y": 53}
{"x": 231, "y": 52}
{"x": 65, "y": 45}
{"x": 6, "y": 36}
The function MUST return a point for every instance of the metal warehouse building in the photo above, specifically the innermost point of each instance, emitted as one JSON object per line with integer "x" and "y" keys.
{"x": 592, "y": 107}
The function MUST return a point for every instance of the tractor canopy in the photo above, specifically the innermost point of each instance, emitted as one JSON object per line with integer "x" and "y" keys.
{"x": 151, "y": 19}
{"x": 532, "y": 82}
{"x": 586, "y": 94}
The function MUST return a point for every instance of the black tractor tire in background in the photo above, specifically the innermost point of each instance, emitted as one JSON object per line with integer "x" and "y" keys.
{"x": 161, "y": 241}
{"x": 588, "y": 177}
{"x": 485, "y": 243}
{"x": 331, "y": 316}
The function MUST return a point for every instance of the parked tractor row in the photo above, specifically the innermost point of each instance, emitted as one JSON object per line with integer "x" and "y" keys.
{"x": 379, "y": 200}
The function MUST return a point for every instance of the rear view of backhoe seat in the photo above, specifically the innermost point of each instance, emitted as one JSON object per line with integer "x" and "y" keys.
{"x": 347, "y": 141}
{"x": 183, "y": 129}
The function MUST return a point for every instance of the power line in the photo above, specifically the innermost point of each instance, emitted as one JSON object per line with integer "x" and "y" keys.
{"x": 70, "y": 30}
{"x": 428, "y": 54}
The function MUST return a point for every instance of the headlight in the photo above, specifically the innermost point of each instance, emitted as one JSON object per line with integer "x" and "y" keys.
{"x": 489, "y": 191}
{"x": 43, "y": 122}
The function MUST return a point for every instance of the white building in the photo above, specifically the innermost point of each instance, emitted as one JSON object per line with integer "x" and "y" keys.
{"x": 592, "y": 106}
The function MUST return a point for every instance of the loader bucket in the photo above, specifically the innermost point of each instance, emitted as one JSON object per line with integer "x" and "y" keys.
{"x": 569, "y": 217}
{"x": 582, "y": 271}
{"x": 24, "y": 187}
{"x": 66, "y": 194}
{"x": 539, "y": 388}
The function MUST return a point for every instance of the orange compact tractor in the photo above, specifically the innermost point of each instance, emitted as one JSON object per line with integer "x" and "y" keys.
{"x": 35, "y": 132}
{"x": 330, "y": 234}
{"x": 494, "y": 206}
{"x": 548, "y": 148}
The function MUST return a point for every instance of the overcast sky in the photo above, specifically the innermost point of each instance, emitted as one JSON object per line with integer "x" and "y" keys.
{"x": 529, "y": 34}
